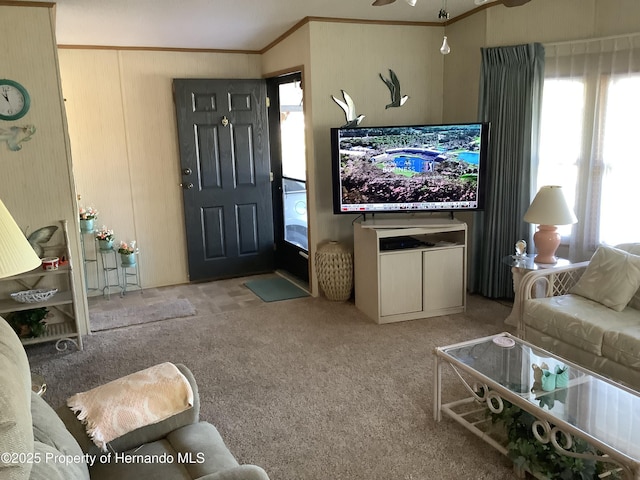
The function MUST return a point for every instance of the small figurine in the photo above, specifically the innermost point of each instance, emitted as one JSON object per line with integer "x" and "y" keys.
{"x": 521, "y": 249}
{"x": 537, "y": 376}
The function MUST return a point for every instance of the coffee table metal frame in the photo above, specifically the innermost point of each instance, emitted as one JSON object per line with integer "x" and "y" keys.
{"x": 547, "y": 428}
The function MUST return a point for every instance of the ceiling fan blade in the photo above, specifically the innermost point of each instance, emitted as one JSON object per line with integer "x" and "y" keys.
{"x": 514, "y": 3}
{"x": 380, "y": 3}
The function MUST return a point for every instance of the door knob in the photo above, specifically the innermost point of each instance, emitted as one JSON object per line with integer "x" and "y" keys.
{"x": 186, "y": 171}
{"x": 187, "y": 186}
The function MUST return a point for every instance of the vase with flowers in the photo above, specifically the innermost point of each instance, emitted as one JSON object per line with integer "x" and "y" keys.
{"x": 105, "y": 238}
{"x": 87, "y": 217}
{"x": 127, "y": 253}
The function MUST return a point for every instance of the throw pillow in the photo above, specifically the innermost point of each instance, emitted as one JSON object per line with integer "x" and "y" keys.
{"x": 612, "y": 278}
{"x": 633, "y": 248}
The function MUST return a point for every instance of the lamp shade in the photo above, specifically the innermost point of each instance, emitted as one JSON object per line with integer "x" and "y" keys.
{"x": 16, "y": 254}
{"x": 549, "y": 207}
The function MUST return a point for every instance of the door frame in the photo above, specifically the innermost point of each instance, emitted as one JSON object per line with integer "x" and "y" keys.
{"x": 288, "y": 257}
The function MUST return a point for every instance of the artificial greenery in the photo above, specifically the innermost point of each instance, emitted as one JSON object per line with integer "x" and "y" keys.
{"x": 527, "y": 453}
{"x": 29, "y": 323}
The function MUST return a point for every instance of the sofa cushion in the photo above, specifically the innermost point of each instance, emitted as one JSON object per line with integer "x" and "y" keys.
{"x": 49, "y": 430}
{"x": 611, "y": 278}
{"x": 576, "y": 320}
{"x": 633, "y": 248}
{"x": 16, "y": 434}
{"x": 622, "y": 345}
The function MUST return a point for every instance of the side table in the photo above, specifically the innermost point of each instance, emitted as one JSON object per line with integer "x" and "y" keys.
{"x": 519, "y": 267}
{"x": 109, "y": 264}
{"x": 89, "y": 261}
{"x": 131, "y": 275}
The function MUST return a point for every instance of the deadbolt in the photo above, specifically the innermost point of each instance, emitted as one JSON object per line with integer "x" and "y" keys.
{"x": 186, "y": 171}
{"x": 225, "y": 121}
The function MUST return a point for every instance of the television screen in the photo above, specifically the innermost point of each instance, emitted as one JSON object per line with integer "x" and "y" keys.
{"x": 418, "y": 168}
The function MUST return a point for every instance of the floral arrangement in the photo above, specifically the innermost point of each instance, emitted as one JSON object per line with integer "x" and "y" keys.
{"x": 127, "y": 248}
{"x": 88, "y": 213}
{"x": 104, "y": 234}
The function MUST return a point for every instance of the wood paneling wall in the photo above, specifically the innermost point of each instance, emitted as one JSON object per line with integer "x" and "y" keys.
{"x": 36, "y": 183}
{"x": 124, "y": 141}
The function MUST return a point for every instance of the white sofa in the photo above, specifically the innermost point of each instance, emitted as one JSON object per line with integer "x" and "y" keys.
{"x": 588, "y": 313}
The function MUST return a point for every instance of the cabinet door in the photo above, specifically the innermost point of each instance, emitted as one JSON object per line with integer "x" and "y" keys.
{"x": 400, "y": 283}
{"x": 443, "y": 278}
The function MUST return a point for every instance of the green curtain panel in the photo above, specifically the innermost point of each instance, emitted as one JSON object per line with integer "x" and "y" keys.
{"x": 511, "y": 83}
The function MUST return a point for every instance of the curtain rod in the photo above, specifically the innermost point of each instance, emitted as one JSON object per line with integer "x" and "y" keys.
{"x": 587, "y": 40}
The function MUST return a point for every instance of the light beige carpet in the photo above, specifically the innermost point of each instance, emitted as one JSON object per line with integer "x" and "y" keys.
{"x": 308, "y": 389}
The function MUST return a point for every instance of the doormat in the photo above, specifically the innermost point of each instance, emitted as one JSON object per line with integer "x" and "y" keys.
{"x": 137, "y": 314}
{"x": 274, "y": 289}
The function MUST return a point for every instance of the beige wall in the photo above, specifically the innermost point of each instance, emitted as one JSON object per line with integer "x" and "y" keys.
{"x": 36, "y": 183}
{"x": 126, "y": 161}
{"x": 350, "y": 57}
{"x": 124, "y": 140}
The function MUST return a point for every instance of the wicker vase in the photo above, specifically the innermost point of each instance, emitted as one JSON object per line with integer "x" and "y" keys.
{"x": 334, "y": 267}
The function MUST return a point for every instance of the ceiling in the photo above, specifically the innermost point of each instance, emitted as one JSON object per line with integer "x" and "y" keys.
{"x": 220, "y": 24}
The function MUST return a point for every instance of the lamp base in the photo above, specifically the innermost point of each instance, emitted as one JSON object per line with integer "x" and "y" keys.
{"x": 547, "y": 241}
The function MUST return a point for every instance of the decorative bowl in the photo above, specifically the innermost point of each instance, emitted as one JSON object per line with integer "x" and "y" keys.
{"x": 34, "y": 296}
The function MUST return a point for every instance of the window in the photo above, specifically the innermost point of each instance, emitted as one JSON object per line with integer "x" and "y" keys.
{"x": 561, "y": 138}
{"x": 589, "y": 139}
{"x": 620, "y": 162}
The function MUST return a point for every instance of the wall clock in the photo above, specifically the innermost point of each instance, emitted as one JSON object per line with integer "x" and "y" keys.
{"x": 14, "y": 100}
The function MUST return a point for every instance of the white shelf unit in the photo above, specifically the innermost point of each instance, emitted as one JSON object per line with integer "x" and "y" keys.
{"x": 399, "y": 283}
{"x": 65, "y": 328}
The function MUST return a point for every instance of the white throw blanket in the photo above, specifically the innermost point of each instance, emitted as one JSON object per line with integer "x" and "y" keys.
{"x": 123, "y": 405}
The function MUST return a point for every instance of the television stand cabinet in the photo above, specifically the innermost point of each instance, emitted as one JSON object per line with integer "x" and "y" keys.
{"x": 409, "y": 271}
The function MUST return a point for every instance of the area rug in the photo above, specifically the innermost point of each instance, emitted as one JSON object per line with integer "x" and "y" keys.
{"x": 137, "y": 314}
{"x": 274, "y": 289}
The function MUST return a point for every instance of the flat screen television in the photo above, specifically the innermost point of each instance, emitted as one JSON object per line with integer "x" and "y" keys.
{"x": 415, "y": 168}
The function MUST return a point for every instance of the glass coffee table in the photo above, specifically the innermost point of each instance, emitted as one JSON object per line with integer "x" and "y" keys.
{"x": 500, "y": 368}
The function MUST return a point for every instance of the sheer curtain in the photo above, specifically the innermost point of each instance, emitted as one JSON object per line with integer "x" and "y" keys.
{"x": 589, "y": 141}
{"x": 510, "y": 97}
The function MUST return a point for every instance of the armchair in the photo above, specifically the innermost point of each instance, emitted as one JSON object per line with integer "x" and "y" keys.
{"x": 38, "y": 443}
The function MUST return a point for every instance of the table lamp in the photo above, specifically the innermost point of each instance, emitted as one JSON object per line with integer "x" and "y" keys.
{"x": 548, "y": 209}
{"x": 16, "y": 254}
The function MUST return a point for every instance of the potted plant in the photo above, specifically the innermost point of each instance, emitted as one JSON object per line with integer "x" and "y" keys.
{"x": 29, "y": 323}
{"x": 127, "y": 253}
{"x": 105, "y": 238}
{"x": 87, "y": 217}
{"x": 541, "y": 459}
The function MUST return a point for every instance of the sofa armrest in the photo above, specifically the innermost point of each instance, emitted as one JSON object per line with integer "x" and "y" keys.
{"x": 133, "y": 439}
{"x": 241, "y": 472}
{"x": 550, "y": 282}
